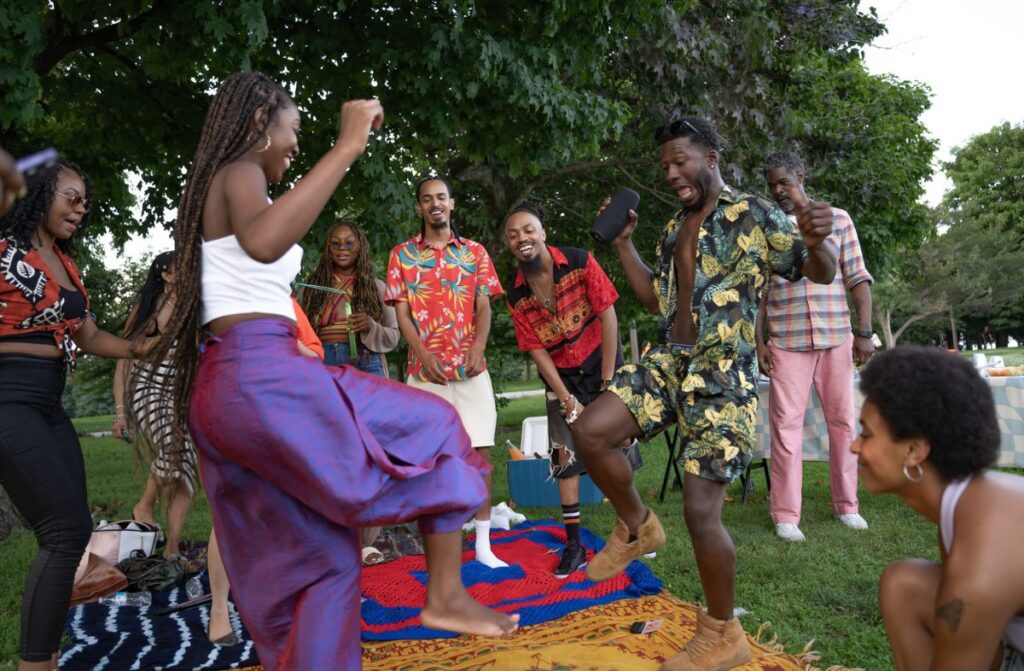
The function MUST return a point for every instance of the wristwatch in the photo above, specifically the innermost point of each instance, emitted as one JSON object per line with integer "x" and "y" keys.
{"x": 863, "y": 334}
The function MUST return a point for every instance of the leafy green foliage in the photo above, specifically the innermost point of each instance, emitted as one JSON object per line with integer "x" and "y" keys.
{"x": 550, "y": 101}
{"x": 973, "y": 266}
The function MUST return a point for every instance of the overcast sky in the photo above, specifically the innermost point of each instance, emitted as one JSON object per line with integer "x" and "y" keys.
{"x": 969, "y": 54}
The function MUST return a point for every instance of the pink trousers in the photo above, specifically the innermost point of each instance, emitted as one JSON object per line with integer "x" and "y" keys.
{"x": 793, "y": 373}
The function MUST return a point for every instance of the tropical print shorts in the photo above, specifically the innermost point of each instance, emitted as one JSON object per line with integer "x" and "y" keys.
{"x": 716, "y": 432}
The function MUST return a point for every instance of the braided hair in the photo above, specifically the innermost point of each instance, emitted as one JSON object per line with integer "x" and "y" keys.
{"x": 365, "y": 295}
{"x": 149, "y": 297}
{"x": 29, "y": 212}
{"x": 225, "y": 138}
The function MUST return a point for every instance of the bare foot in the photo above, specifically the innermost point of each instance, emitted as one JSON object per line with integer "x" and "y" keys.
{"x": 143, "y": 514}
{"x": 463, "y": 614}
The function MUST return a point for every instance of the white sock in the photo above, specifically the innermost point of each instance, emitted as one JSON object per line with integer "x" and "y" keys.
{"x": 483, "y": 545}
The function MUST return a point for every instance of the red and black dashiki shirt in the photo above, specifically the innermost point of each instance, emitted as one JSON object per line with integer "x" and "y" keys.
{"x": 572, "y": 335}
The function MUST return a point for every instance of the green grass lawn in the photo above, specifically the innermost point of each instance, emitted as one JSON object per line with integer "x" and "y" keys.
{"x": 823, "y": 589}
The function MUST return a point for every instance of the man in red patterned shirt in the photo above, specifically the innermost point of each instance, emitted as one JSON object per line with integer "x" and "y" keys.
{"x": 803, "y": 338}
{"x": 562, "y": 310}
{"x": 442, "y": 285}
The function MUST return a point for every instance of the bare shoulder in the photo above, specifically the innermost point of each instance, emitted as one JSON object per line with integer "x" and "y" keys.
{"x": 234, "y": 183}
{"x": 988, "y": 521}
{"x": 995, "y": 487}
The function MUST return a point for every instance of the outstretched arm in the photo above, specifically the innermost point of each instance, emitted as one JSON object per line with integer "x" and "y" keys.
{"x": 92, "y": 340}
{"x": 637, "y": 272}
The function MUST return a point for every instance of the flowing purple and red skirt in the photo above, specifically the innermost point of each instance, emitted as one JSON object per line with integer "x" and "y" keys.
{"x": 296, "y": 457}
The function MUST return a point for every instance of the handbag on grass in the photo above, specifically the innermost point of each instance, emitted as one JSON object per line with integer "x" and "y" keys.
{"x": 117, "y": 541}
{"x": 152, "y": 574}
{"x": 96, "y": 578}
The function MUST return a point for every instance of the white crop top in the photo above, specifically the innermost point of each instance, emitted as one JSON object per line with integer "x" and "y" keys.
{"x": 235, "y": 283}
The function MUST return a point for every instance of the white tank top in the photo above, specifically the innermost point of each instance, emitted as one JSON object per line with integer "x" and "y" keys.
{"x": 235, "y": 283}
{"x": 1014, "y": 634}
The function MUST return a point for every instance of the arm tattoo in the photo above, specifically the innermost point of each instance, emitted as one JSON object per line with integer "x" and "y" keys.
{"x": 951, "y": 613}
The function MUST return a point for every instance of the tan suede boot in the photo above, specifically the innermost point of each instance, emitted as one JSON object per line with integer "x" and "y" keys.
{"x": 718, "y": 645}
{"x": 618, "y": 552}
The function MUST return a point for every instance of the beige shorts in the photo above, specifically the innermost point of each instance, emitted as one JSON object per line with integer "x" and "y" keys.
{"x": 473, "y": 399}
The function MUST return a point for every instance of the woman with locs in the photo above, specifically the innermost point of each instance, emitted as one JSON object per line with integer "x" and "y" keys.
{"x": 297, "y": 456}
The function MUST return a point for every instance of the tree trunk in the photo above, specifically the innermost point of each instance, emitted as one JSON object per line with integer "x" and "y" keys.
{"x": 9, "y": 517}
{"x": 884, "y": 318}
{"x": 954, "y": 343}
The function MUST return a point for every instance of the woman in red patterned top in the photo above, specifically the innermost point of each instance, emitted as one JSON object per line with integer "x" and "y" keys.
{"x": 44, "y": 314}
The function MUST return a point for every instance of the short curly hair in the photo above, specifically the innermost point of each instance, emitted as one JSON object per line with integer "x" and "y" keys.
{"x": 26, "y": 215}
{"x": 924, "y": 392}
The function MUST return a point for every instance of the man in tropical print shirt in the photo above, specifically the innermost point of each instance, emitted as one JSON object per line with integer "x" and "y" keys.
{"x": 714, "y": 257}
{"x": 442, "y": 285}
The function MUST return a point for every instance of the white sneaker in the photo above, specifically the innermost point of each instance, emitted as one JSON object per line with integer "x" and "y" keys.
{"x": 503, "y": 510}
{"x": 853, "y": 521}
{"x": 789, "y": 532}
{"x": 499, "y": 522}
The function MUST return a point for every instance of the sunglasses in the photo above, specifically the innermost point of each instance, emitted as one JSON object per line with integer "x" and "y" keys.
{"x": 75, "y": 200}
{"x": 671, "y": 131}
{"x": 338, "y": 246}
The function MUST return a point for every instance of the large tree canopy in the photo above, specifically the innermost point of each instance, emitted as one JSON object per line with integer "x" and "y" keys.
{"x": 554, "y": 101}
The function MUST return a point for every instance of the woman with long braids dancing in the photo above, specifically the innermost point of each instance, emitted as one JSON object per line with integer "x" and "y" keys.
{"x": 46, "y": 313}
{"x": 296, "y": 456}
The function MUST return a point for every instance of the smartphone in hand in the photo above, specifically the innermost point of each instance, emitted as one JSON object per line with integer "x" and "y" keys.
{"x": 34, "y": 166}
{"x": 615, "y": 217}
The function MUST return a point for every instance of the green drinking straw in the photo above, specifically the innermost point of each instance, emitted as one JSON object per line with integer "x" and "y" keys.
{"x": 348, "y": 313}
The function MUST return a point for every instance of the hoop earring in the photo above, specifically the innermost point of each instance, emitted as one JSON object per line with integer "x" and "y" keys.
{"x": 266, "y": 146}
{"x": 919, "y": 473}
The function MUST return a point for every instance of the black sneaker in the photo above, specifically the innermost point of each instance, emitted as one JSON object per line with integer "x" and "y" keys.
{"x": 574, "y": 557}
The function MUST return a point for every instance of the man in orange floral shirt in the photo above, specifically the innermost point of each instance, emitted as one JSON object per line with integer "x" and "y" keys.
{"x": 442, "y": 285}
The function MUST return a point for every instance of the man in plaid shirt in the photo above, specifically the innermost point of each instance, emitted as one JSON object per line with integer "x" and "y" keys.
{"x": 804, "y": 337}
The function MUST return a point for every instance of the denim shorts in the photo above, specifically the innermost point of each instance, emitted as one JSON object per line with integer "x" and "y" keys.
{"x": 337, "y": 354}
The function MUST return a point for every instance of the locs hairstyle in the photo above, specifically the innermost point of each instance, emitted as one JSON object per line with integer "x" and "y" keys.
{"x": 365, "y": 296}
{"x": 24, "y": 218}
{"x": 529, "y": 207}
{"x": 226, "y": 136}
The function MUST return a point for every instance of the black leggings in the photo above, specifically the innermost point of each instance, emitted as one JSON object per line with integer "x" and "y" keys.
{"x": 42, "y": 469}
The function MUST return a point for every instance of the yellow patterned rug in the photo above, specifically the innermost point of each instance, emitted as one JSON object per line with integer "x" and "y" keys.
{"x": 595, "y": 639}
